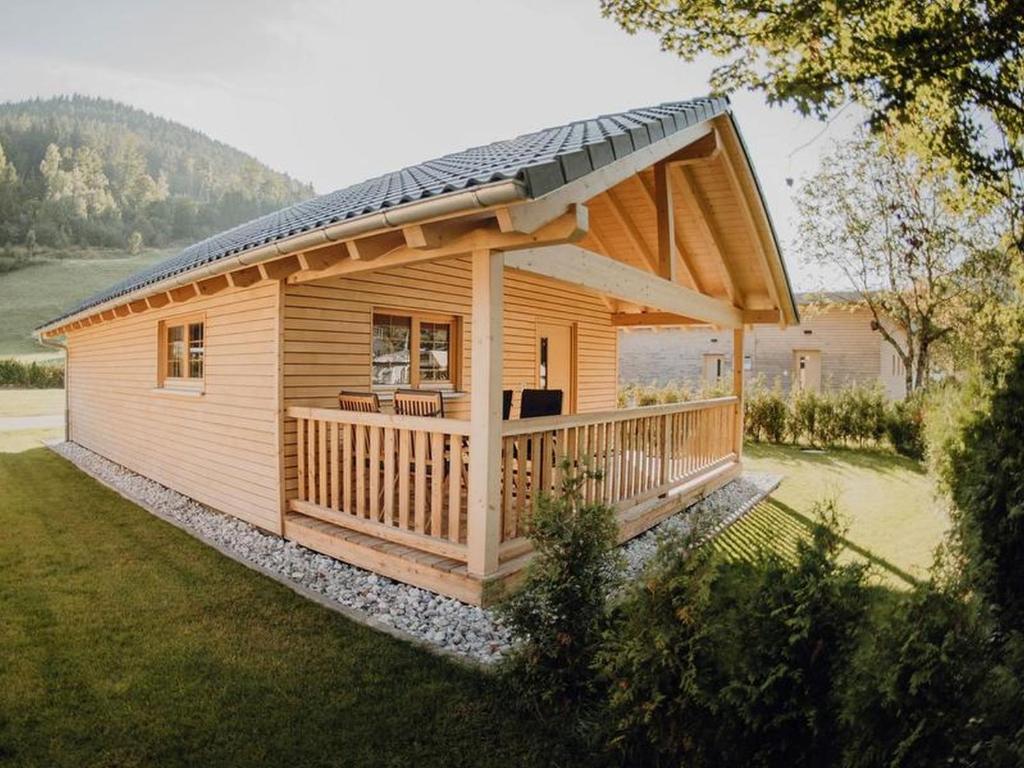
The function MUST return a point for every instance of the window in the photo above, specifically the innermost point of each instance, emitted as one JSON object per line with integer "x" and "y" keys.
{"x": 414, "y": 350}
{"x": 182, "y": 352}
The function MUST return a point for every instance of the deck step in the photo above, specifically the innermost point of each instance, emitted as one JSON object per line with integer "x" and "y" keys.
{"x": 396, "y": 561}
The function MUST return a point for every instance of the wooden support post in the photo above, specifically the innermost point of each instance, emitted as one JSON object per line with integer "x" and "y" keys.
{"x": 666, "y": 224}
{"x": 484, "y": 507}
{"x": 737, "y": 388}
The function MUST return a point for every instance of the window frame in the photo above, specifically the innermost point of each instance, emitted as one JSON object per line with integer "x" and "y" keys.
{"x": 416, "y": 318}
{"x": 189, "y": 384}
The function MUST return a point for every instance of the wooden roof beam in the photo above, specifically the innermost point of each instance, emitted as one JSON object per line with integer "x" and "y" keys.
{"x": 158, "y": 300}
{"x": 184, "y": 293}
{"x": 243, "y": 278}
{"x": 685, "y": 258}
{"x": 632, "y": 233}
{"x": 371, "y": 248}
{"x": 213, "y": 285}
{"x": 321, "y": 258}
{"x": 704, "y": 150}
{"x": 459, "y": 240}
{"x": 280, "y": 268}
{"x": 579, "y": 266}
{"x": 666, "y": 222}
{"x": 695, "y": 201}
{"x": 645, "y": 319}
{"x": 748, "y": 218}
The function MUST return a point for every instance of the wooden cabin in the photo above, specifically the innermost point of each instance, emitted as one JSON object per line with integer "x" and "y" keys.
{"x": 837, "y": 345}
{"x": 258, "y": 371}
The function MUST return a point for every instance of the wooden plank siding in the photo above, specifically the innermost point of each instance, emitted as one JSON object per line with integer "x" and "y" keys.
{"x": 327, "y": 330}
{"x": 220, "y": 447}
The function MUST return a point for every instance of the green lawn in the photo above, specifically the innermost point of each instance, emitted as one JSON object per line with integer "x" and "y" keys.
{"x": 124, "y": 641}
{"x": 49, "y": 286}
{"x": 887, "y": 501}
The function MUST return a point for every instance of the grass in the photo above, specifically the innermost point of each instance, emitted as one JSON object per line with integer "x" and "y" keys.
{"x": 18, "y": 440}
{"x": 126, "y": 642}
{"x": 51, "y": 285}
{"x": 894, "y": 521}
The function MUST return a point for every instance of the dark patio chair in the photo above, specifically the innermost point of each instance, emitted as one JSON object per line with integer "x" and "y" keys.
{"x": 540, "y": 402}
{"x": 506, "y": 404}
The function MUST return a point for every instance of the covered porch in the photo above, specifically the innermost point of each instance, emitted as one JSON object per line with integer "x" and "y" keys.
{"x": 522, "y": 296}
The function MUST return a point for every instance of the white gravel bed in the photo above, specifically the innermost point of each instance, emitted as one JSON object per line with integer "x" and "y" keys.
{"x": 419, "y": 615}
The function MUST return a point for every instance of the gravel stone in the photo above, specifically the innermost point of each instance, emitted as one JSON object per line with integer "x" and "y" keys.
{"x": 446, "y": 623}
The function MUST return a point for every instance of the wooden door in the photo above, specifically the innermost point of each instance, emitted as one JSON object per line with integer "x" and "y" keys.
{"x": 714, "y": 369}
{"x": 556, "y": 361}
{"x": 807, "y": 369}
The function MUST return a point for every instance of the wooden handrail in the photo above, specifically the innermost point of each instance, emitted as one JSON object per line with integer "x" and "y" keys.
{"x": 415, "y": 423}
{"x": 543, "y": 423}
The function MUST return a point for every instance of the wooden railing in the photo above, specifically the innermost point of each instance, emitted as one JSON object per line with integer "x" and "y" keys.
{"x": 640, "y": 453}
{"x": 400, "y": 478}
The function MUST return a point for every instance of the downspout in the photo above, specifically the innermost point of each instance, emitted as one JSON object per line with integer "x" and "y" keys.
{"x": 67, "y": 382}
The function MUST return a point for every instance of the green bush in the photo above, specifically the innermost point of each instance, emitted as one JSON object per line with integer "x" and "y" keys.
{"x": 15, "y": 374}
{"x": 987, "y": 488}
{"x": 739, "y": 664}
{"x": 923, "y": 689}
{"x": 765, "y": 412}
{"x": 558, "y": 615}
{"x": 905, "y": 427}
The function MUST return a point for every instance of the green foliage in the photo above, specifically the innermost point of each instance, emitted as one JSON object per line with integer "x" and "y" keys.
{"x": 923, "y": 258}
{"x": 925, "y": 690}
{"x": 766, "y": 412}
{"x": 905, "y": 427}
{"x": 880, "y": 53}
{"x": 713, "y": 664}
{"x": 76, "y": 171}
{"x": 639, "y": 395}
{"x": 858, "y": 414}
{"x": 15, "y": 374}
{"x": 987, "y": 488}
{"x": 559, "y": 613}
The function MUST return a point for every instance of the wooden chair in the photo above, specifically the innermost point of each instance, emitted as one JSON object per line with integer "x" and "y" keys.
{"x": 363, "y": 402}
{"x": 419, "y": 402}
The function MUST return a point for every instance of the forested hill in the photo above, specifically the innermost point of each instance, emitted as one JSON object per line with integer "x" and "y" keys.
{"x": 79, "y": 171}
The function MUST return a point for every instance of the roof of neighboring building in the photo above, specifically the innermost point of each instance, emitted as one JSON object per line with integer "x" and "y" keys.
{"x": 541, "y": 161}
{"x": 829, "y": 297}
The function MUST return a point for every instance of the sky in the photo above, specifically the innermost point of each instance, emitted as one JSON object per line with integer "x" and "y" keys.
{"x": 333, "y": 92}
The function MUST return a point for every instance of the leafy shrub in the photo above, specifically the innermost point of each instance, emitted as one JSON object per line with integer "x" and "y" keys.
{"x": 766, "y": 412}
{"x": 558, "y": 615}
{"x": 738, "y": 664}
{"x": 923, "y": 690}
{"x": 905, "y": 428}
{"x": 15, "y": 374}
{"x": 987, "y": 489}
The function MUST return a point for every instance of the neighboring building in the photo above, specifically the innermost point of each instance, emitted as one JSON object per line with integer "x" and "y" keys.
{"x": 472, "y": 278}
{"x": 834, "y": 346}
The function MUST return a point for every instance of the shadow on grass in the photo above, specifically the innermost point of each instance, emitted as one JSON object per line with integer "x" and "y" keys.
{"x": 773, "y": 525}
{"x": 876, "y": 460}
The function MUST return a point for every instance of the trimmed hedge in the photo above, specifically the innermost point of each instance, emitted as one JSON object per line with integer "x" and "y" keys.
{"x": 15, "y": 374}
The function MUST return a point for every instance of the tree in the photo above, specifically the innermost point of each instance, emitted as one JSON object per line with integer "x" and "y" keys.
{"x": 947, "y": 72}
{"x": 920, "y": 258}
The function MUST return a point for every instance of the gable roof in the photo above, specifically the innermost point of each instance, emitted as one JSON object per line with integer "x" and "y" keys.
{"x": 540, "y": 162}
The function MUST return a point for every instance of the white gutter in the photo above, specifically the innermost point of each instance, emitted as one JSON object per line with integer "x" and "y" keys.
{"x": 67, "y": 388}
{"x": 498, "y": 193}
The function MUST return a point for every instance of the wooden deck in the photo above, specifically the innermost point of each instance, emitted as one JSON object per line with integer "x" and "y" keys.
{"x": 390, "y": 494}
